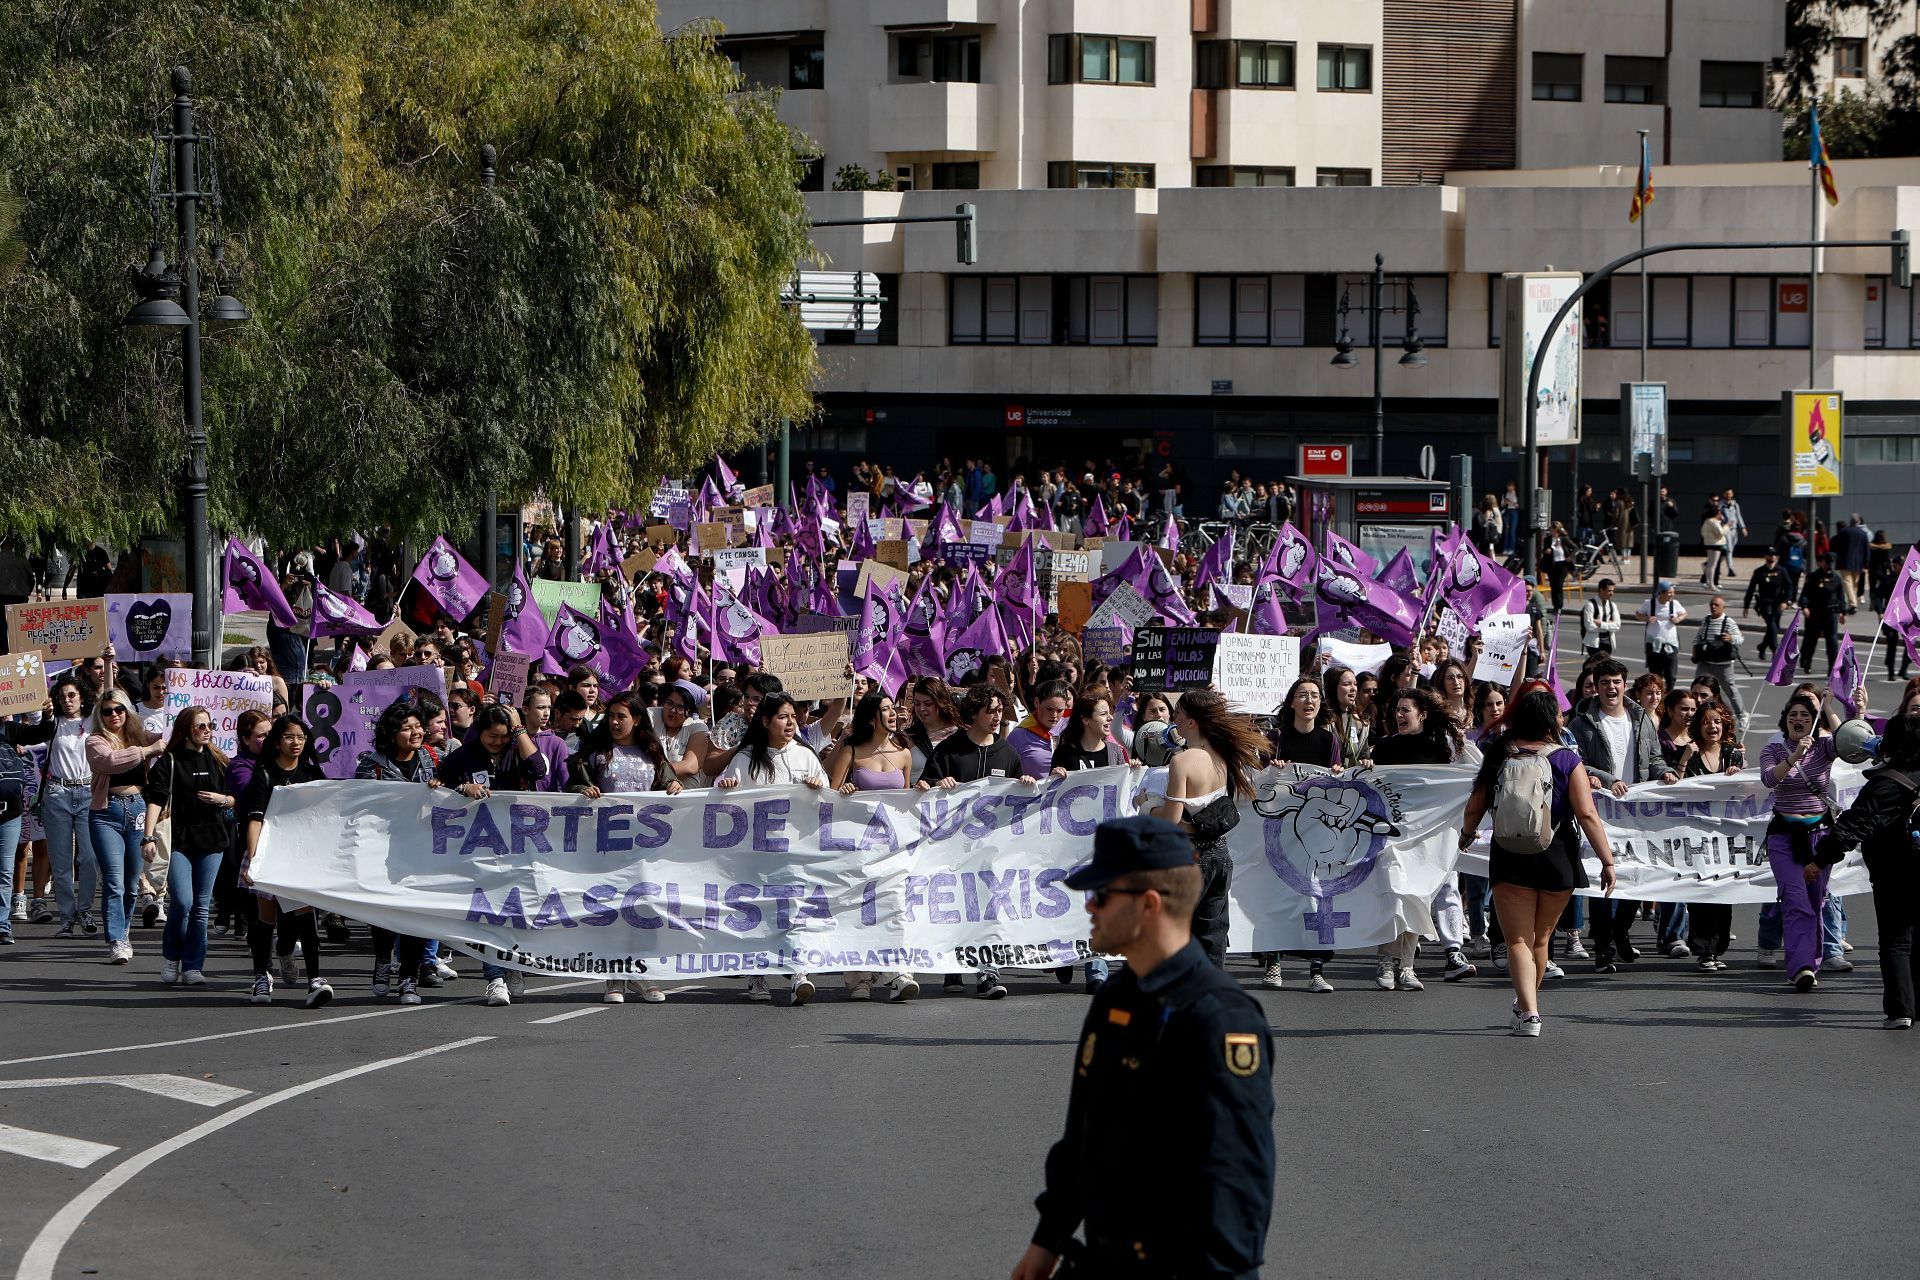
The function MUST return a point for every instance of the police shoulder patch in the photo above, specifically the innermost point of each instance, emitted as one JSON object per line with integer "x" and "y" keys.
{"x": 1242, "y": 1051}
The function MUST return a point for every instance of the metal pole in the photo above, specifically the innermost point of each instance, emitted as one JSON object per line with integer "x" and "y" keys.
{"x": 1813, "y": 324}
{"x": 185, "y": 207}
{"x": 1649, "y": 507}
{"x": 786, "y": 462}
{"x": 1379, "y": 403}
{"x": 487, "y": 544}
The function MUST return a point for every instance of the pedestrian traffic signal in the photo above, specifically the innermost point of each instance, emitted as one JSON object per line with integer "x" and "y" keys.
{"x": 966, "y": 242}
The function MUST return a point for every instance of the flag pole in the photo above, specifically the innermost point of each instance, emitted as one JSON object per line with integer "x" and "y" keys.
{"x": 1814, "y": 158}
{"x": 1648, "y": 510}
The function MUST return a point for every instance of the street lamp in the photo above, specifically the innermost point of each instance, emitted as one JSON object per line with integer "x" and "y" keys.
{"x": 1414, "y": 351}
{"x": 170, "y": 303}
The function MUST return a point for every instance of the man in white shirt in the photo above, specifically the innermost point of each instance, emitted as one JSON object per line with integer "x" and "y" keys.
{"x": 1599, "y": 620}
{"x": 1663, "y": 616}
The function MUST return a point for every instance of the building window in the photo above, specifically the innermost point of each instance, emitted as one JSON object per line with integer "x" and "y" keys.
{"x": 1556, "y": 77}
{"x": 1850, "y": 59}
{"x": 1115, "y": 310}
{"x": 1088, "y": 175}
{"x": 1077, "y": 59}
{"x": 813, "y": 176}
{"x": 1000, "y": 310}
{"x": 1343, "y": 177}
{"x": 1210, "y": 64}
{"x": 1346, "y": 68}
{"x": 831, "y": 440}
{"x": 1242, "y": 175}
{"x": 958, "y": 175}
{"x": 1639, "y": 81}
{"x": 1732, "y": 84}
{"x": 806, "y": 66}
{"x": 887, "y": 335}
{"x": 1107, "y": 311}
{"x": 1263, "y": 64}
{"x": 952, "y": 58}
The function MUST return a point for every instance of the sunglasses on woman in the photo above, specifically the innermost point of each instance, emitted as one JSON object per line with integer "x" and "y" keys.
{"x": 113, "y": 709}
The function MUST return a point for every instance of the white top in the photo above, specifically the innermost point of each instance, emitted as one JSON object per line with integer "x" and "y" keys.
{"x": 791, "y": 763}
{"x": 67, "y": 753}
{"x": 1598, "y": 618}
{"x": 727, "y": 734}
{"x": 1663, "y": 624}
{"x": 1619, "y": 733}
{"x": 674, "y": 745}
{"x": 158, "y": 723}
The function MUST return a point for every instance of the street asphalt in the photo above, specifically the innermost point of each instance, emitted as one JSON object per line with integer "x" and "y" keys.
{"x": 1666, "y": 1124}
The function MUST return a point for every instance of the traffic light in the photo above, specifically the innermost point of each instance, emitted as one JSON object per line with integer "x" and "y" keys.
{"x": 966, "y": 241}
{"x": 1902, "y": 260}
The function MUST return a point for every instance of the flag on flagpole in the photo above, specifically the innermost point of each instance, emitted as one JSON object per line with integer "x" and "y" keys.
{"x": 1902, "y": 614}
{"x": 1846, "y": 676}
{"x": 1780, "y": 674}
{"x": 1817, "y": 158}
{"x": 1643, "y": 186}
{"x": 249, "y": 584}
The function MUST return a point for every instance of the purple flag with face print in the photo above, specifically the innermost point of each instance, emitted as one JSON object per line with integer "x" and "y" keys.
{"x": 575, "y": 640}
{"x": 251, "y": 585}
{"x": 1017, "y": 595}
{"x": 338, "y": 615}
{"x": 1267, "y": 619}
{"x": 1292, "y": 563}
{"x": 1347, "y": 558}
{"x": 1367, "y": 603}
{"x": 603, "y": 552}
{"x": 1144, "y": 572}
{"x": 1845, "y": 676}
{"x": 877, "y": 644}
{"x": 522, "y": 629}
{"x": 924, "y": 629}
{"x": 456, "y": 586}
{"x": 1902, "y": 614}
{"x": 966, "y": 654}
{"x": 1217, "y": 564}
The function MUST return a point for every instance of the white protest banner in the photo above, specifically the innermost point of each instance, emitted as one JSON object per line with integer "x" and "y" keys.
{"x": 1504, "y": 643}
{"x": 23, "y": 683}
{"x": 858, "y": 505}
{"x": 62, "y": 630}
{"x": 727, "y": 560}
{"x": 936, "y": 881}
{"x": 1255, "y": 672}
{"x": 1451, "y": 627}
{"x": 507, "y": 682}
{"x": 145, "y": 627}
{"x": 226, "y": 694}
{"x": 1126, "y": 607}
{"x": 1357, "y": 658}
{"x": 342, "y": 717}
{"x": 983, "y": 533}
{"x": 811, "y": 667}
{"x": 1237, "y": 595}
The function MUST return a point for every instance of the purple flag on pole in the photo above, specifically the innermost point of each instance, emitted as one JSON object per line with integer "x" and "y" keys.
{"x": 575, "y": 640}
{"x": 251, "y": 585}
{"x": 1267, "y": 620}
{"x": 1292, "y": 562}
{"x": 1170, "y": 535}
{"x": 1017, "y": 595}
{"x": 1902, "y": 614}
{"x": 877, "y": 645}
{"x": 1846, "y": 677}
{"x": 1399, "y": 574}
{"x": 1553, "y": 666}
{"x": 1217, "y": 564}
{"x": 1780, "y": 674}
{"x": 1123, "y": 528}
{"x": 1096, "y": 524}
{"x": 924, "y": 630}
{"x": 739, "y": 628}
{"x": 338, "y": 615}
{"x": 522, "y": 629}
{"x": 1367, "y": 603}
{"x": 1146, "y": 574}
{"x": 456, "y": 586}
{"x": 1344, "y": 556}
{"x": 603, "y": 553}
{"x": 729, "y": 482}
{"x": 965, "y": 656}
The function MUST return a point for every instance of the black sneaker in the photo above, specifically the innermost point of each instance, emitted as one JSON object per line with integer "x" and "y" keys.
{"x": 1805, "y": 981}
{"x": 1605, "y": 966}
{"x": 68, "y": 928}
{"x": 953, "y": 984}
{"x": 991, "y": 988}
{"x": 1627, "y": 951}
{"x": 1064, "y": 975}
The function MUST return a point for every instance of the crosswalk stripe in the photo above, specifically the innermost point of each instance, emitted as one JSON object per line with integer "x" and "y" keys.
{"x": 75, "y": 1153}
{"x": 202, "y": 1093}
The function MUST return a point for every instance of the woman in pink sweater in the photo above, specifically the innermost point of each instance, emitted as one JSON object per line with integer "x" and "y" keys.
{"x": 118, "y": 749}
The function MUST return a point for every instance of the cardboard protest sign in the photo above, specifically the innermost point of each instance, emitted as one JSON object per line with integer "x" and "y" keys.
{"x": 549, "y": 596}
{"x": 710, "y": 536}
{"x": 858, "y": 505}
{"x": 225, "y": 695}
{"x": 892, "y": 551}
{"x": 872, "y": 571}
{"x": 1125, "y": 607}
{"x": 662, "y": 535}
{"x": 1255, "y": 672}
{"x": 396, "y": 641}
{"x": 62, "y": 630}
{"x": 1106, "y": 644}
{"x": 508, "y": 680}
{"x": 761, "y": 496}
{"x": 1076, "y": 606}
{"x": 148, "y": 626}
{"x": 811, "y": 667}
{"x": 23, "y": 683}
{"x": 726, "y": 561}
{"x": 1173, "y": 658}
{"x": 638, "y": 563}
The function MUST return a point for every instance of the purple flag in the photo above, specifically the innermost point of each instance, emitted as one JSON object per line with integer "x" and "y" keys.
{"x": 1367, "y": 603}
{"x": 1096, "y": 523}
{"x": 1217, "y": 564}
{"x": 603, "y": 553}
{"x": 251, "y": 585}
{"x": 626, "y": 653}
{"x": 877, "y": 645}
{"x": 456, "y": 586}
{"x": 965, "y": 656}
{"x": 1553, "y": 666}
{"x": 1846, "y": 677}
{"x": 1292, "y": 563}
{"x": 1399, "y": 574}
{"x": 1780, "y": 674}
{"x": 522, "y": 630}
{"x": 1146, "y": 574}
{"x": 1902, "y": 614}
{"x": 1123, "y": 528}
{"x": 338, "y": 615}
{"x": 739, "y": 628}
{"x": 1017, "y": 595}
{"x": 708, "y": 497}
{"x": 1477, "y": 587}
{"x": 995, "y": 508}
{"x": 729, "y": 482}
{"x": 575, "y": 640}
{"x": 1170, "y": 535}
{"x": 1344, "y": 556}
{"x": 1267, "y": 620}
{"x": 924, "y": 630}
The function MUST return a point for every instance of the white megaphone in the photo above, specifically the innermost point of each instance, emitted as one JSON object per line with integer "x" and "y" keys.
{"x": 1856, "y": 742}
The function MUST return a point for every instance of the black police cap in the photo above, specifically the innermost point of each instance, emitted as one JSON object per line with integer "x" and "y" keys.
{"x": 1126, "y": 845}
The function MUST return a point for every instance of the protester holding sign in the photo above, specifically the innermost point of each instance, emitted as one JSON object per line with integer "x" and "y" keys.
{"x": 284, "y": 761}
{"x": 189, "y": 781}
{"x": 118, "y": 749}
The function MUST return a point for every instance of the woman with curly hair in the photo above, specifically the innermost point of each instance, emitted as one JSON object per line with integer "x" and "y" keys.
{"x": 399, "y": 755}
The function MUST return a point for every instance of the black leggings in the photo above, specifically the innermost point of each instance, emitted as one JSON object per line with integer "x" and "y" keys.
{"x": 302, "y": 927}
{"x": 413, "y": 951}
{"x": 1210, "y": 913}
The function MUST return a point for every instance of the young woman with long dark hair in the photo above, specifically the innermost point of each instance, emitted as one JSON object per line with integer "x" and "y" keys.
{"x": 65, "y": 802}
{"x": 936, "y": 718}
{"x": 1795, "y": 767}
{"x": 1351, "y": 727}
{"x": 233, "y": 904}
{"x": 189, "y": 779}
{"x": 118, "y": 749}
{"x": 1205, "y": 782}
{"x": 1714, "y": 753}
{"x": 284, "y": 761}
{"x": 1423, "y": 733}
{"x": 872, "y": 758}
{"x": 399, "y": 755}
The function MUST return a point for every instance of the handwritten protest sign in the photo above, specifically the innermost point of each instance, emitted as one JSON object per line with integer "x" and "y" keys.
{"x": 1106, "y": 644}
{"x": 872, "y": 571}
{"x": 549, "y": 596}
{"x": 508, "y": 680}
{"x": 662, "y": 535}
{"x": 62, "y": 630}
{"x": 1170, "y": 658}
{"x": 1076, "y": 605}
{"x": 145, "y": 627}
{"x": 893, "y": 551}
{"x": 23, "y": 683}
{"x": 1255, "y": 672}
{"x": 1357, "y": 658}
{"x": 758, "y": 497}
{"x": 858, "y": 505}
{"x": 225, "y": 694}
{"x": 811, "y": 667}
{"x": 1126, "y": 607}
{"x": 726, "y": 561}
{"x": 1505, "y": 645}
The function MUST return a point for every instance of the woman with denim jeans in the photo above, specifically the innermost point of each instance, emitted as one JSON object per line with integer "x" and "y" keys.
{"x": 18, "y": 787}
{"x": 189, "y": 781}
{"x": 118, "y": 750}
{"x": 64, "y": 801}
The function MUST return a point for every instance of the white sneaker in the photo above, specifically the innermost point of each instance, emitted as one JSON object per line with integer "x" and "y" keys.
{"x": 802, "y": 989}
{"x": 757, "y": 989}
{"x": 1678, "y": 950}
{"x": 1525, "y": 1024}
{"x": 516, "y": 984}
{"x": 1575, "y": 949}
{"x": 1271, "y": 979}
{"x": 650, "y": 992}
{"x": 194, "y": 978}
{"x": 170, "y": 972}
{"x": 1552, "y": 972}
{"x": 1500, "y": 957}
{"x": 1317, "y": 982}
{"x": 903, "y": 987}
{"x": 1383, "y": 973}
{"x": 1765, "y": 959}
{"x": 1836, "y": 964}
{"x": 290, "y": 966}
{"x": 1479, "y": 947}
{"x": 616, "y": 993}
{"x": 39, "y": 911}
{"x": 319, "y": 991}
{"x": 120, "y": 953}
{"x": 862, "y": 989}
{"x": 149, "y": 909}
{"x": 19, "y": 906}
{"x": 497, "y": 993}
{"x": 1410, "y": 981}
{"x": 444, "y": 971}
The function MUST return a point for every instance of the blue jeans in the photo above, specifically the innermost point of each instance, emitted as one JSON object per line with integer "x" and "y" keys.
{"x": 1096, "y": 970}
{"x": 1475, "y": 893}
{"x": 1833, "y": 927}
{"x": 116, "y": 849}
{"x": 63, "y": 812}
{"x": 190, "y": 877}
{"x": 9, "y": 845}
{"x": 1671, "y": 919}
{"x": 1772, "y": 928}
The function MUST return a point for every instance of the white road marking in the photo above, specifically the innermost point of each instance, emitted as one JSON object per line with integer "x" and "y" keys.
{"x": 562, "y": 1017}
{"x": 72, "y": 1152}
{"x": 286, "y": 1026}
{"x": 44, "y": 1253}
{"x": 203, "y": 1093}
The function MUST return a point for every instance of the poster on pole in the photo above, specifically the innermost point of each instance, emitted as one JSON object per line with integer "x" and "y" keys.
{"x": 225, "y": 694}
{"x": 148, "y": 626}
{"x": 813, "y": 667}
{"x": 1254, "y": 672}
{"x": 1816, "y": 424}
{"x": 62, "y": 630}
{"x": 1530, "y": 301}
{"x": 1643, "y": 406}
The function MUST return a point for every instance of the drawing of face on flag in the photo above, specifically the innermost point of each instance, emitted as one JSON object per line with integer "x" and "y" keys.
{"x": 1340, "y": 587}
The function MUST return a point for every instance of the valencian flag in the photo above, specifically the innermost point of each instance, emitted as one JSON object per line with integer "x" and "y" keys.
{"x": 1817, "y": 157}
{"x": 1643, "y": 186}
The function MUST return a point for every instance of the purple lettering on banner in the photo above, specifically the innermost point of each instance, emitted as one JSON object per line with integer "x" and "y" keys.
{"x": 484, "y": 834}
{"x": 769, "y": 822}
{"x": 554, "y": 912}
{"x": 511, "y": 914}
{"x": 1017, "y": 806}
{"x": 1109, "y": 803}
{"x": 610, "y": 829}
{"x": 980, "y": 825}
{"x": 745, "y": 915}
{"x": 829, "y": 842}
{"x": 940, "y": 888}
{"x": 869, "y": 903}
{"x": 938, "y": 827}
{"x": 570, "y": 816}
{"x": 783, "y": 896}
{"x": 815, "y": 907}
{"x": 999, "y": 895}
{"x": 712, "y": 837}
{"x": 675, "y": 917}
{"x": 527, "y": 824}
{"x": 630, "y": 905}
{"x": 1054, "y": 902}
{"x": 710, "y": 897}
{"x": 594, "y": 904}
{"x": 654, "y": 831}
{"x": 913, "y": 895}
{"x": 1026, "y": 895}
{"x": 1069, "y": 821}
{"x": 879, "y": 833}
{"x": 446, "y": 827}
{"x": 969, "y": 897}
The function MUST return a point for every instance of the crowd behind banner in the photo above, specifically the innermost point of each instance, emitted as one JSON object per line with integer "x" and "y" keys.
{"x": 914, "y": 643}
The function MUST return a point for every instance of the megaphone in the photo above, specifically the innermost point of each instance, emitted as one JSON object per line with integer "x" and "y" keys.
{"x": 1856, "y": 742}
{"x": 1155, "y": 742}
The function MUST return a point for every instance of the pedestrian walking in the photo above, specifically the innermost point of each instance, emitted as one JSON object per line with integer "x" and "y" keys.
{"x": 1880, "y": 822}
{"x": 1716, "y": 647}
{"x": 1205, "y": 783}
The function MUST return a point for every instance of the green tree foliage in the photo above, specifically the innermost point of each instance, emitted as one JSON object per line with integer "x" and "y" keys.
{"x": 608, "y": 313}
{"x": 1875, "y": 118}
{"x": 854, "y": 177}
{"x": 12, "y": 250}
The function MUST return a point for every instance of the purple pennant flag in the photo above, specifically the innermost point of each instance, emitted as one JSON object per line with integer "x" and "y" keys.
{"x": 1268, "y": 619}
{"x": 1045, "y": 518}
{"x": 1347, "y": 558}
{"x": 1845, "y": 677}
{"x": 1096, "y": 524}
{"x": 358, "y": 662}
{"x": 924, "y": 630}
{"x": 575, "y": 640}
{"x": 626, "y": 653}
{"x": 737, "y": 626}
{"x": 1146, "y": 574}
{"x": 1170, "y": 535}
{"x": 1217, "y": 564}
{"x": 251, "y": 585}
{"x": 1780, "y": 674}
{"x": 965, "y": 656}
{"x": 1292, "y": 563}
{"x": 1399, "y": 574}
{"x": 338, "y": 615}
{"x": 864, "y": 547}
{"x": 1123, "y": 528}
{"x": 1477, "y": 587}
{"x": 963, "y": 605}
{"x": 1017, "y": 595}
{"x": 1023, "y": 517}
{"x": 1553, "y": 667}
{"x": 1367, "y": 603}
{"x": 1902, "y": 614}
{"x": 708, "y": 497}
{"x": 456, "y": 586}
{"x": 995, "y": 508}
{"x": 729, "y": 482}
{"x": 877, "y": 645}
{"x": 522, "y": 629}
{"x": 603, "y": 553}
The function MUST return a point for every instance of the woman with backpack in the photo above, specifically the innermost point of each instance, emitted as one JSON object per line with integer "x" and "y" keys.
{"x": 1537, "y": 790}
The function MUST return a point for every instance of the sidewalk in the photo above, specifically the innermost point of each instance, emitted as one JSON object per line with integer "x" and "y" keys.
{"x": 1694, "y": 594}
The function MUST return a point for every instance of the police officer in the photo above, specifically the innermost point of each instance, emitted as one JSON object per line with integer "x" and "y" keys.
{"x": 1167, "y": 1160}
{"x": 1823, "y": 607}
{"x": 1881, "y": 822}
{"x": 1767, "y": 590}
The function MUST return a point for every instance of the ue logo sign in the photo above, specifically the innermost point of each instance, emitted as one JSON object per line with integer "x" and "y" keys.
{"x": 1016, "y": 415}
